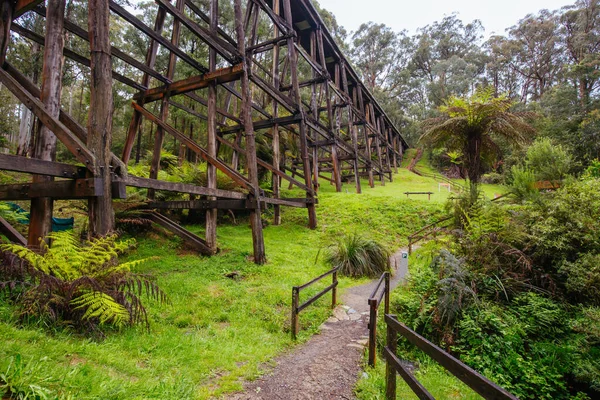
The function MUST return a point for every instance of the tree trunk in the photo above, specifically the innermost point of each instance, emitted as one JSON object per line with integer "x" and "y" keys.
{"x": 24, "y": 132}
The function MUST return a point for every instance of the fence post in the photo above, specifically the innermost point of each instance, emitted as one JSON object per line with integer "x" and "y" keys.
{"x": 372, "y": 331}
{"x": 390, "y": 371}
{"x": 409, "y": 245}
{"x": 334, "y": 290}
{"x": 295, "y": 298}
{"x": 387, "y": 293}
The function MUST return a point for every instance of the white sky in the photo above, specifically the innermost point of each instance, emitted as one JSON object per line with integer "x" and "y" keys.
{"x": 495, "y": 15}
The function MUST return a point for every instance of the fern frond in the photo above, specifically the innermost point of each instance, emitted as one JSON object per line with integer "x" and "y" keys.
{"x": 33, "y": 258}
{"x": 98, "y": 305}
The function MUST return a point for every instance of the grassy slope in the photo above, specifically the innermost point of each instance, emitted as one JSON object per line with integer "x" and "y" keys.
{"x": 219, "y": 331}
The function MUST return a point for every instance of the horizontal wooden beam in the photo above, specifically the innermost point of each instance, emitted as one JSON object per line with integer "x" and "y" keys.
{"x": 222, "y": 75}
{"x": 146, "y": 183}
{"x": 264, "y": 124}
{"x": 40, "y": 167}
{"x": 300, "y": 202}
{"x": 64, "y": 189}
{"x": 223, "y": 204}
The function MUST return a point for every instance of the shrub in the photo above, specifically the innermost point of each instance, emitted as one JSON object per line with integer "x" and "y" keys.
{"x": 522, "y": 183}
{"x": 548, "y": 161}
{"x": 493, "y": 178}
{"x": 357, "y": 256}
{"x": 80, "y": 285}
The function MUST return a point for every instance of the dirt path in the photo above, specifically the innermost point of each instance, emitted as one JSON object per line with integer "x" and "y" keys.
{"x": 328, "y": 365}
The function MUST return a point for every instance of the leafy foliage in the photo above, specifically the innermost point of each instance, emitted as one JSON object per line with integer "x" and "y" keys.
{"x": 531, "y": 277}
{"x": 78, "y": 284}
{"x": 548, "y": 161}
{"x": 357, "y": 256}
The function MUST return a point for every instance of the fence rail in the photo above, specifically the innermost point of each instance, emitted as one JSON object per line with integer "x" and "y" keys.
{"x": 427, "y": 231}
{"x": 374, "y": 303}
{"x": 479, "y": 383}
{"x": 297, "y": 307}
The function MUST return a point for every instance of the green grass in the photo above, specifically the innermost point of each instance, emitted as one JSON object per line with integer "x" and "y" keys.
{"x": 218, "y": 331}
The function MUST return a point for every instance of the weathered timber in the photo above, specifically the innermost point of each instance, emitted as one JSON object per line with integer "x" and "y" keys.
{"x": 264, "y": 124}
{"x": 40, "y": 220}
{"x": 22, "y": 6}
{"x": 127, "y": 16}
{"x": 327, "y": 124}
{"x": 246, "y": 117}
{"x": 6, "y": 17}
{"x": 190, "y": 84}
{"x": 99, "y": 139}
{"x": 40, "y": 167}
{"x": 234, "y": 175}
{"x": 220, "y": 204}
{"x": 63, "y": 189}
{"x": 191, "y": 239}
{"x": 225, "y": 49}
{"x": 211, "y": 134}
{"x": 135, "y": 181}
{"x": 68, "y": 121}
{"x": 11, "y": 233}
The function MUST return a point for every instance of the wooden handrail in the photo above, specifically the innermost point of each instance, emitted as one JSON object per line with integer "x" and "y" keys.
{"x": 297, "y": 307}
{"x": 479, "y": 383}
{"x": 374, "y": 304}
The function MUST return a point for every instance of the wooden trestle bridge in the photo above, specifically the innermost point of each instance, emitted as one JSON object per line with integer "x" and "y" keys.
{"x": 273, "y": 70}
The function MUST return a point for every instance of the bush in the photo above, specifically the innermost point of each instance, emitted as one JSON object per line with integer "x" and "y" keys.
{"x": 548, "y": 161}
{"x": 522, "y": 183}
{"x": 357, "y": 256}
{"x": 80, "y": 285}
{"x": 493, "y": 178}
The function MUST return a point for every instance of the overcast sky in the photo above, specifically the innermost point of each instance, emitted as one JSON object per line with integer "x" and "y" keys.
{"x": 496, "y": 15}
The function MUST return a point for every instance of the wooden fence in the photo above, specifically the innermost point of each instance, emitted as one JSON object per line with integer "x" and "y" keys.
{"x": 374, "y": 303}
{"x": 479, "y": 383}
{"x": 297, "y": 307}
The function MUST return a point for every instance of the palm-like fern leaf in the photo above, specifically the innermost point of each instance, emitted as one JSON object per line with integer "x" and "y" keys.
{"x": 98, "y": 305}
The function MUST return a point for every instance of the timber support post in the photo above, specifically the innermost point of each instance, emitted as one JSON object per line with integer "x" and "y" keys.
{"x": 258, "y": 240}
{"x": 99, "y": 139}
{"x": 45, "y": 142}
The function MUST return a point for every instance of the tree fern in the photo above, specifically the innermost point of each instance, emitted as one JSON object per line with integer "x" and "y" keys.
{"x": 79, "y": 283}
